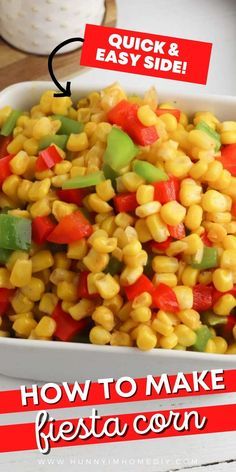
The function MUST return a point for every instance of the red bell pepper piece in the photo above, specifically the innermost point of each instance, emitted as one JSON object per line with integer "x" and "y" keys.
{"x": 233, "y": 209}
{"x": 42, "y": 226}
{"x": 72, "y": 195}
{"x": 173, "y": 111}
{"x": 167, "y": 191}
{"x": 66, "y": 328}
{"x": 117, "y": 114}
{"x": 83, "y": 287}
{"x": 165, "y": 299}
{"x": 71, "y": 228}
{"x": 177, "y": 231}
{"x": 202, "y": 297}
{"x": 154, "y": 245}
{"x": 5, "y": 169}
{"x": 205, "y": 239}
{"x": 4, "y": 141}
{"x": 228, "y": 158}
{"x": 125, "y": 202}
{"x": 5, "y": 298}
{"x": 47, "y": 159}
{"x": 143, "y": 284}
{"x": 142, "y": 135}
{"x": 124, "y": 114}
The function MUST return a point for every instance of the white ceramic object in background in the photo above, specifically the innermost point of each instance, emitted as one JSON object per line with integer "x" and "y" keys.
{"x": 58, "y": 361}
{"x": 39, "y": 26}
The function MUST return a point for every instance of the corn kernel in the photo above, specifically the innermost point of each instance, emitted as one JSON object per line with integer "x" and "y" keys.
{"x": 146, "y": 338}
{"x": 23, "y": 326}
{"x": 21, "y": 273}
{"x": 42, "y": 260}
{"x": 222, "y": 280}
{"x": 48, "y": 303}
{"x": 34, "y": 289}
{"x": 224, "y": 305}
{"x": 184, "y": 296}
{"x": 107, "y": 286}
{"x": 172, "y": 213}
{"x": 99, "y": 335}
{"x": 104, "y": 317}
{"x": 190, "y": 318}
{"x": 82, "y": 309}
{"x": 186, "y": 336}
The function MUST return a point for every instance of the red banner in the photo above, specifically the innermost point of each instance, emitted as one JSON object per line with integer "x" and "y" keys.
{"x": 214, "y": 419}
{"x": 146, "y": 54}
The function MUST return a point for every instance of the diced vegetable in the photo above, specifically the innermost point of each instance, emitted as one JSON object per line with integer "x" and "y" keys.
{"x": 210, "y": 319}
{"x": 4, "y": 141}
{"x": 120, "y": 149}
{"x": 205, "y": 239}
{"x": 142, "y": 135}
{"x": 72, "y": 195}
{"x": 155, "y": 246}
{"x": 59, "y": 140}
{"x": 47, "y": 159}
{"x": 83, "y": 287}
{"x": 5, "y": 170}
{"x": 143, "y": 284}
{"x": 67, "y": 327}
{"x": 149, "y": 172}
{"x": 71, "y": 228}
{"x": 42, "y": 226}
{"x": 4, "y": 255}
{"x": 228, "y": 158}
{"x": 203, "y": 126}
{"x": 125, "y": 202}
{"x": 15, "y": 232}
{"x": 109, "y": 173}
{"x": 117, "y": 115}
{"x": 166, "y": 191}
{"x": 68, "y": 125}
{"x": 114, "y": 266}
{"x": 203, "y": 335}
{"x": 5, "y": 299}
{"x": 164, "y": 298}
{"x": 84, "y": 181}
{"x": 10, "y": 123}
{"x": 202, "y": 297}
{"x": 209, "y": 259}
{"x": 177, "y": 231}
{"x": 173, "y": 111}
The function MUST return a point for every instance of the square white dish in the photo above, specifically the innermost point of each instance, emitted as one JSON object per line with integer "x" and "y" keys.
{"x": 58, "y": 361}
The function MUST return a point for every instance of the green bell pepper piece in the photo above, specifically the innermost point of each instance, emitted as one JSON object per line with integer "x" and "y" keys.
{"x": 114, "y": 266}
{"x": 110, "y": 174}
{"x": 120, "y": 149}
{"x": 15, "y": 232}
{"x": 203, "y": 336}
{"x": 209, "y": 318}
{"x": 203, "y": 126}
{"x": 59, "y": 140}
{"x": 83, "y": 181}
{"x": 10, "y": 123}
{"x": 209, "y": 259}
{"x": 68, "y": 125}
{"x": 149, "y": 172}
{"x": 4, "y": 255}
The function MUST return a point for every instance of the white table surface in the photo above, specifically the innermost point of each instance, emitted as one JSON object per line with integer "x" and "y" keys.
{"x": 206, "y": 20}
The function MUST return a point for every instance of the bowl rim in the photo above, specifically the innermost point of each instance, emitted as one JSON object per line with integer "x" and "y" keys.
{"x": 70, "y": 346}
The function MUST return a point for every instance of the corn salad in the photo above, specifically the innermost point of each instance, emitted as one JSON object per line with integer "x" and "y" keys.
{"x": 118, "y": 223}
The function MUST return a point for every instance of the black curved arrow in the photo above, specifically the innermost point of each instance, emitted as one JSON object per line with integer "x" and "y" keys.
{"x": 65, "y": 91}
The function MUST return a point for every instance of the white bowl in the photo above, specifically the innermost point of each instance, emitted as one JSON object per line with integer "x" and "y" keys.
{"x": 59, "y": 361}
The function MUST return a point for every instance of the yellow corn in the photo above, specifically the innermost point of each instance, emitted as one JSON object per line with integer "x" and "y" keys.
{"x": 82, "y": 309}
{"x": 77, "y": 142}
{"x": 190, "y": 318}
{"x": 147, "y": 116}
{"x": 20, "y": 303}
{"x": 40, "y": 208}
{"x": 42, "y": 260}
{"x": 228, "y": 259}
{"x": 114, "y": 304}
{"x": 168, "y": 342}
{"x": 23, "y": 326}
{"x": 10, "y": 186}
{"x": 120, "y": 339}
{"x": 179, "y": 166}
{"x": 157, "y": 228}
{"x": 5, "y": 278}
{"x": 224, "y": 305}
{"x": 141, "y": 314}
{"x": 107, "y": 286}
{"x": 21, "y": 273}
{"x": 186, "y": 336}
{"x": 168, "y": 278}
{"x": 104, "y": 317}
{"x": 184, "y": 296}
{"x": 39, "y": 190}
{"x": 48, "y": 303}
{"x": 142, "y": 300}
{"x": 190, "y": 193}
{"x": 190, "y": 276}
{"x": 146, "y": 338}
{"x": 105, "y": 190}
{"x": 46, "y": 327}
{"x": 223, "y": 280}
{"x": 143, "y": 232}
{"x": 165, "y": 264}
{"x": 16, "y": 144}
{"x": 34, "y": 289}
{"x": 67, "y": 291}
{"x": 130, "y": 275}
{"x": 214, "y": 201}
{"x": 145, "y": 194}
{"x": 172, "y": 213}
{"x": 193, "y": 217}
{"x": 99, "y": 335}
{"x": 95, "y": 261}
{"x": 77, "y": 250}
